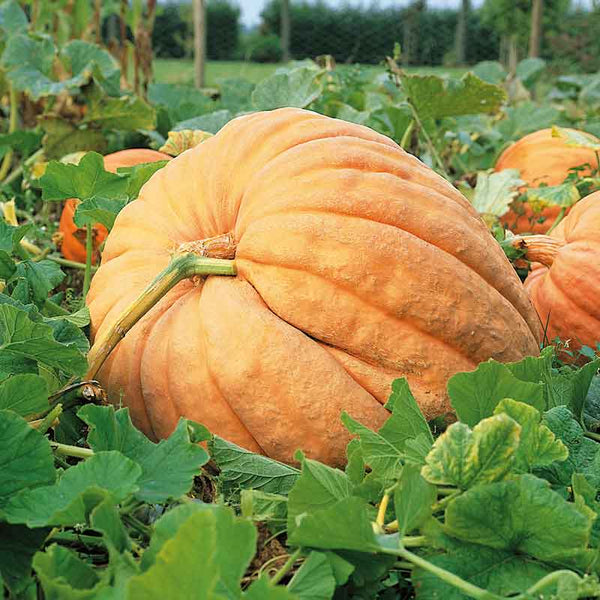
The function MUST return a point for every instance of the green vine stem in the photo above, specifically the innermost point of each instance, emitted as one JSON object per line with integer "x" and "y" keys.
{"x": 18, "y": 171}
{"x": 12, "y": 126}
{"x": 592, "y": 436}
{"x": 289, "y": 563}
{"x": 558, "y": 219}
{"x": 74, "y": 451}
{"x": 182, "y": 266}
{"x": 50, "y": 418}
{"x": 89, "y": 251}
{"x": 77, "y": 538}
{"x": 405, "y": 141}
{"x": 70, "y": 263}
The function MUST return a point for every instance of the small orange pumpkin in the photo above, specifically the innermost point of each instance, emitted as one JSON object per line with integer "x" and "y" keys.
{"x": 564, "y": 284}
{"x": 73, "y": 238}
{"x": 540, "y": 159}
{"x": 350, "y": 264}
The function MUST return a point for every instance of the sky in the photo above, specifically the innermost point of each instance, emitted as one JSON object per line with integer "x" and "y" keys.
{"x": 251, "y": 9}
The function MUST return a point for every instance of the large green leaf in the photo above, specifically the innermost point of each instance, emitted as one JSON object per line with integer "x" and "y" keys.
{"x": 26, "y": 459}
{"x": 62, "y": 137}
{"x": 435, "y": 97}
{"x": 583, "y": 453}
{"x": 318, "y": 487}
{"x": 126, "y": 113}
{"x": 344, "y": 525}
{"x": 315, "y": 579}
{"x": 23, "y": 343}
{"x": 204, "y": 557}
{"x": 497, "y": 571}
{"x": 464, "y": 458}
{"x": 516, "y": 515}
{"x": 77, "y": 492}
{"x": 241, "y": 468}
{"x": 18, "y": 544}
{"x": 538, "y": 446}
{"x": 474, "y": 395}
{"x": 12, "y": 18}
{"x": 413, "y": 499}
{"x": 211, "y": 122}
{"x": 168, "y": 468}
{"x": 86, "y": 180}
{"x": 64, "y": 576}
{"x": 298, "y": 88}
{"x": 24, "y": 394}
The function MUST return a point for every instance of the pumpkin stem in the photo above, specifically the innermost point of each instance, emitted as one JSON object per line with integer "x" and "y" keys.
{"x": 182, "y": 266}
{"x": 535, "y": 248}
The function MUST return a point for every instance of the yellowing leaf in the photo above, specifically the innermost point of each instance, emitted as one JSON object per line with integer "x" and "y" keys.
{"x": 565, "y": 194}
{"x": 573, "y": 137}
{"x": 495, "y": 191}
{"x": 463, "y": 457}
{"x": 180, "y": 141}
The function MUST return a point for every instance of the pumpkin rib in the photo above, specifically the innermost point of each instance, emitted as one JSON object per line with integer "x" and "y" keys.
{"x": 353, "y": 293}
{"x": 551, "y": 278}
{"x": 430, "y": 244}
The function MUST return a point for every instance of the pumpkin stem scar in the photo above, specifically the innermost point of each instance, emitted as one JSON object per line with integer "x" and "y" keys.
{"x": 536, "y": 248}
{"x": 219, "y": 246}
{"x": 182, "y": 266}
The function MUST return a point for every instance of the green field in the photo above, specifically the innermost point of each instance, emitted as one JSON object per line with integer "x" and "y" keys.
{"x": 182, "y": 70}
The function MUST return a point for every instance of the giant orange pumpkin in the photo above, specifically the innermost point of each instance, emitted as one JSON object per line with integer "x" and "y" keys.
{"x": 540, "y": 159}
{"x": 356, "y": 264}
{"x": 73, "y": 238}
{"x": 566, "y": 288}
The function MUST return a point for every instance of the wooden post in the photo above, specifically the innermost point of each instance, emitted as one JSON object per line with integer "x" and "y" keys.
{"x": 535, "y": 35}
{"x": 461, "y": 33}
{"x": 285, "y": 25}
{"x": 199, "y": 8}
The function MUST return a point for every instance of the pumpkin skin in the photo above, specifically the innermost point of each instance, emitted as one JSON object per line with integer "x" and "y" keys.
{"x": 73, "y": 238}
{"x": 540, "y": 158}
{"x": 566, "y": 293}
{"x": 357, "y": 264}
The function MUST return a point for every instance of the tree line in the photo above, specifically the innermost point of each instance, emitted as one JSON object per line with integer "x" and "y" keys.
{"x": 501, "y": 29}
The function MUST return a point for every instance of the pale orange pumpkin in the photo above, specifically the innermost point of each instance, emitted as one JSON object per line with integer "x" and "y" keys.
{"x": 541, "y": 159}
{"x": 73, "y": 238}
{"x": 564, "y": 284}
{"x": 354, "y": 263}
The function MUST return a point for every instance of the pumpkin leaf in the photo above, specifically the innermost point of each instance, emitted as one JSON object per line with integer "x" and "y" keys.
{"x": 405, "y": 434}
{"x": 168, "y": 467}
{"x": 126, "y": 113}
{"x": 413, "y": 499}
{"x": 77, "y": 492}
{"x": 64, "y": 575}
{"x": 514, "y": 515}
{"x": 463, "y": 458}
{"x": 475, "y": 395}
{"x": 243, "y": 469}
{"x": 265, "y": 508}
{"x": 207, "y": 556}
{"x": 583, "y": 453}
{"x": 538, "y": 446}
{"x": 98, "y": 210}
{"x": 18, "y": 544}
{"x": 263, "y": 589}
{"x": 297, "y": 87}
{"x": 494, "y": 192}
{"x": 318, "y": 486}
{"x": 314, "y": 580}
{"x": 25, "y": 457}
{"x": 24, "y": 394}
{"x": 344, "y": 525}
{"x": 529, "y": 69}
{"x": 501, "y": 572}
{"x": 24, "y": 343}
{"x": 86, "y": 181}
{"x": 563, "y": 195}
{"x": 138, "y": 175}
{"x": 210, "y": 122}
{"x": 573, "y": 137}
{"x": 12, "y": 18}
{"x": 436, "y": 97}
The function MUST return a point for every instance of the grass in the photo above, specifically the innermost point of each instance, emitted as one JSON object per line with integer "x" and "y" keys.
{"x": 182, "y": 71}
